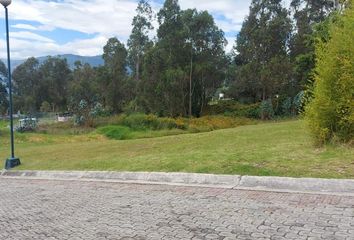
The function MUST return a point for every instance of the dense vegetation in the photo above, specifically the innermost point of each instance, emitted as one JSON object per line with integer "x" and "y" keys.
{"x": 271, "y": 72}
{"x": 331, "y": 113}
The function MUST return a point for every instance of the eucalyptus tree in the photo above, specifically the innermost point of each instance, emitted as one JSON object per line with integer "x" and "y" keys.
{"x": 139, "y": 41}
{"x": 115, "y": 63}
{"x": 262, "y": 52}
{"x": 208, "y": 62}
{"x": 54, "y": 77}
{"x": 308, "y": 14}
{"x": 4, "y": 103}
{"x": 26, "y": 86}
{"x": 186, "y": 65}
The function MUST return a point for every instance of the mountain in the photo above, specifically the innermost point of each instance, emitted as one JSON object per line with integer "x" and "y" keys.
{"x": 94, "y": 61}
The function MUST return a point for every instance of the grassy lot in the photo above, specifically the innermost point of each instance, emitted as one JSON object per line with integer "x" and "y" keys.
{"x": 282, "y": 149}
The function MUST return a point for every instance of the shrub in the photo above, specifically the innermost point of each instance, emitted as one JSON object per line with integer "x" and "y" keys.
{"x": 116, "y": 132}
{"x": 299, "y": 102}
{"x": 140, "y": 121}
{"x": 330, "y": 114}
{"x": 286, "y": 106}
{"x": 266, "y": 110}
{"x": 45, "y": 107}
{"x": 232, "y": 109}
{"x": 210, "y": 123}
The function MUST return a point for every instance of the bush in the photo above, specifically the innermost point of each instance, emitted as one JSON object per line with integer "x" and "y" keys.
{"x": 330, "y": 114}
{"x": 143, "y": 122}
{"x": 140, "y": 125}
{"x": 116, "y": 132}
{"x": 286, "y": 106}
{"x": 45, "y": 107}
{"x": 232, "y": 109}
{"x": 210, "y": 123}
{"x": 266, "y": 110}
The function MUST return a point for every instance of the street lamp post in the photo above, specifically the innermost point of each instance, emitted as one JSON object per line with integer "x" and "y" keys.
{"x": 12, "y": 161}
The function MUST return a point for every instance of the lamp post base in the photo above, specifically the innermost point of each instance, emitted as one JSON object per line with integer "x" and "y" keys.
{"x": 12, "y": 162}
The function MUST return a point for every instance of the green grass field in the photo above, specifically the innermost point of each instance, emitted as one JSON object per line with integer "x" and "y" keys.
{"x": 279, "y": 149}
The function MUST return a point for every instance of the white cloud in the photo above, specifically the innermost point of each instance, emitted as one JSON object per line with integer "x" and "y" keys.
{"x": 23, "y": 48}
{"x": 103, "y": 18}
{"x": 86, "y": 47}
{"x": 24, "y": 26}
{"x": 230, "y": 44}
{"x": 30, "y": 36}
{"x": 106, "y": 17}
{"x": 229, "y": 13}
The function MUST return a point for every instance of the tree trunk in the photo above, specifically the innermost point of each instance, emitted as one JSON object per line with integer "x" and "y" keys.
{"x": 137, "y": 68}
{"x": 190, "y": 84}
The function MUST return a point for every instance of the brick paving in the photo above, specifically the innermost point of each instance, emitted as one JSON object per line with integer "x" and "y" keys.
{"x": 38, "y": 209}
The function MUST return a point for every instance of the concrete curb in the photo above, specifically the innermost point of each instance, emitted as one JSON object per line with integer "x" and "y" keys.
{"x": 274, "y": 184}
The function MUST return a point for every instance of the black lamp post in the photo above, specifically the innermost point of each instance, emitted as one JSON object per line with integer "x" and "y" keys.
{"x": 12, "y": 161}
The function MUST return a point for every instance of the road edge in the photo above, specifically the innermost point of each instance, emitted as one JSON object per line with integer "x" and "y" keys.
{"x": 343, "y": 187}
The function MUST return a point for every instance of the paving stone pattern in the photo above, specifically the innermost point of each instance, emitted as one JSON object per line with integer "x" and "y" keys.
{"x": 39, "y": 209}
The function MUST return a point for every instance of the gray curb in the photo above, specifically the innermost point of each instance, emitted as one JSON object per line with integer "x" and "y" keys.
{"x": 274, "y": 184}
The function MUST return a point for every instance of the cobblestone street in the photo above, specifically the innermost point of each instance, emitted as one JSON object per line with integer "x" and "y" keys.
{"x": 38, "y": 209}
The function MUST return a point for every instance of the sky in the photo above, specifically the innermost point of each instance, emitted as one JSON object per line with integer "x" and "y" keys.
{"x": 82, "y": 27}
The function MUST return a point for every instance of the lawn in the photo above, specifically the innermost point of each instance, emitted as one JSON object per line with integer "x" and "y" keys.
{"x": 274, "y": 148}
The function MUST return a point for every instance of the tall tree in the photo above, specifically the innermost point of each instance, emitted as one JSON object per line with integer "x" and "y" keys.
{"x": 26, "y": 80}
{"x": 207, "y": 57}
{"x": 139, "y": 41}
{"x": 3, "y": 72}
{"x": 4, "y": 103}
{"x": 55, "y": 76}
{"x": 261, "y": 51}
{"x": 187, "y": 64}
{"x": 171, "y": 31}
{"x": 84, "y": 85}
{"x": 115, "y": 58}
{"x": 307, "y": 15}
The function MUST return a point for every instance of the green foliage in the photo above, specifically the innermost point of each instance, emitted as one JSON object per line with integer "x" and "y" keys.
{"x": 264, "y": 66}
{"x": 287, "y": 106}
{"x": 45, "y": 107}
{"x": 85, "y": 113}
{"x": 115, "y": 73}
{"x": 266, "y": 110}
{"x": 211, "y": 123}
{"x": 4, "y": 102}
{"x": 36, "y": 83}
{"x": 330, "y": 115}
{"x": 139, "y": 41}
{"x": 145, "y": 126}
{"x": 185, "y": 66}
{"x": 298, "y": 102}
{"x": 152, "y": 122}
{"x": 233, "y": 108}
{"x": 116, "y": 132}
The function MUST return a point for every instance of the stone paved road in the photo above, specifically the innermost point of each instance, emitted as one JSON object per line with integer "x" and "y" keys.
{"x": 34, "y": 209}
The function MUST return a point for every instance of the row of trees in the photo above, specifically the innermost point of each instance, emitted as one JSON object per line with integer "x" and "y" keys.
{"x": 175, "y": 74}
{"x": 180, "y": 70}
{"x": 275, "y": 50}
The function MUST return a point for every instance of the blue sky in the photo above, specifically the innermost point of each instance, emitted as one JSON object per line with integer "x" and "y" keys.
{"x": 49, "y": 27}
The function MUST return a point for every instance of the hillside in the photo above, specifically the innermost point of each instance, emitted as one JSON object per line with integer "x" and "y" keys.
{"x": 280, "y": 149}
{"x": 94, "y": 61}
